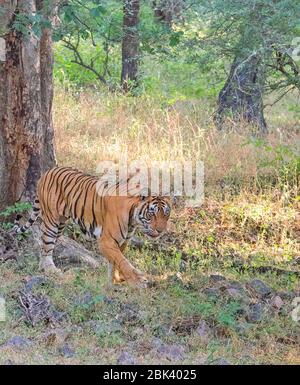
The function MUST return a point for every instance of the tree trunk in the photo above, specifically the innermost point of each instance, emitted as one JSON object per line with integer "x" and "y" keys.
{"x": 26, "y": 91}
{"x": 130, "y": 45}
{"x": 241, "y": 96}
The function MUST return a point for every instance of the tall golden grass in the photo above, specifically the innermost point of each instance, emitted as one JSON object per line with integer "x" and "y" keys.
{"x": 91, "y": 127}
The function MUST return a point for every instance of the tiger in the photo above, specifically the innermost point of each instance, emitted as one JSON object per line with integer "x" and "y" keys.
{"x": 65, "y": 193}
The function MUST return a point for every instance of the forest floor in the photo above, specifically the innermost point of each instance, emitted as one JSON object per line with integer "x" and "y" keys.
{"x": 226, "y": 274}
{"x": 211, "y": 304}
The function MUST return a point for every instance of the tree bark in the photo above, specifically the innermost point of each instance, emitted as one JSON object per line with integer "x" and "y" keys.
{"x": 130, "y": 45}
{"x": 241, "y": 96}
{"x": 26, "y": 92}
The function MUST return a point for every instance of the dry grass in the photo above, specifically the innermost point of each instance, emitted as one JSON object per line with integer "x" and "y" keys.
{"x": 250, "y": 218}
{"x": 91, "y": 128}
{"x": 253, "y": 184}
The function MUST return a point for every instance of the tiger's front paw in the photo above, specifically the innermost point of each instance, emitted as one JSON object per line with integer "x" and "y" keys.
{"x": 48, "y": 267}
{"x": 138, "y": 279}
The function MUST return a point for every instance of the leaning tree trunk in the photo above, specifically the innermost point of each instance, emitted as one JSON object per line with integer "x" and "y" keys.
{"x": 26, "y": 130}
{"x": 241, "y": 96}
{"x": 130, "y": 45}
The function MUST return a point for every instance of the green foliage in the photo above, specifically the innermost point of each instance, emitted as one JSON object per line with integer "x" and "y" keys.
{"x": 283, "y": 160}
{"x": 25, "y": 23}
{"x": 17, "y": 208}
{"x": 228, "y": 315}
{"x": 239, "y": 29}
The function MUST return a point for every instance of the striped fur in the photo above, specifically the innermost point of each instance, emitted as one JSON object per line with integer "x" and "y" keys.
{"x": 64, "y": 193}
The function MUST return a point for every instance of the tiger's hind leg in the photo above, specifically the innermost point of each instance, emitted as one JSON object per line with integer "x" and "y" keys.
{"x": 61, "y": 228}
{"x": 50, "y": 233}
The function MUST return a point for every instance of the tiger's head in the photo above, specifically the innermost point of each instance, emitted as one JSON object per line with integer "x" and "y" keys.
{"x": 152, "y": 215}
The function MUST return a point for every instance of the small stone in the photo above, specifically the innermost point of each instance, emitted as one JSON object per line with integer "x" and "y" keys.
{"x": 260, "y": 287}
{"x": 234, "y": 293}
{"x": 203, "y": 331}
{"x": 129, "y": 313}
{"x": 156, "y": 342}
{"x": 211, "y": 292}
{"x": 85, "y": 299}
{"x": 66, "y": 351}
{"x": 216, "y": 278}
{"x": 221, "y": 361}
{"x": 171, "y": 352}
{"x": 277, "y": 302}
{"x": 58, "y": 316}
{"x": 34, "y": 281}
{"x": 238, "y": 294}
{"x": 55, "y": 337}
{"x": 125, "y": 358}
{"x": 165, "y": 329}
{"x": 18, "y": 342}
{"x": 255, "y": 312}
{"x": 235, "y": 285}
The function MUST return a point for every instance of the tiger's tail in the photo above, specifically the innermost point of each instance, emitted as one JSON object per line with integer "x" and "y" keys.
{"x": 33, "y": 217}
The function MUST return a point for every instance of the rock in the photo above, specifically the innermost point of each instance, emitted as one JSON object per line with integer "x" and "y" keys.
{"x": 211, "y": 292}
{"x": 126, "y": 358}
{"x": 286, "y": 295}
{"x": 55, "y": 337}
{"x": 66, "y": 351}
{"x": 215, "y": 278}
{"x": 156, "y": 342}
{"x": 235, "y": 285}
{"x": 129, "y": 313}
{"x": 220, "y": 361}
{"x": 234, "y": 293}
{"x": 34, "y": 281}
{"x": 85, "y": 299}
{"x": 172, "y": 352}
{"x": 277, "y": 302}
{"x": 18, "y": 342}
{"x": 260, "y": 287}
{"x": 57, "y": 316}
{"x": 165, "y": 329}
{"x": 203, "y": 331}
{"x": 255, "y": 312}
